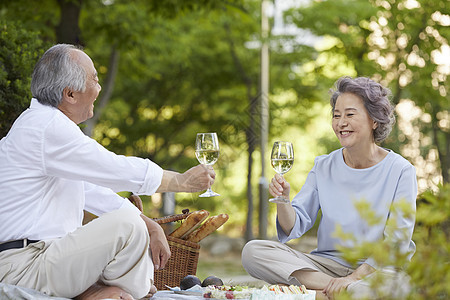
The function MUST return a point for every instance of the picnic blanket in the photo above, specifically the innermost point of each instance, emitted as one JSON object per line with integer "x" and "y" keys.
{"x": 170, "y": 295}
{"x": 13, "y": 292}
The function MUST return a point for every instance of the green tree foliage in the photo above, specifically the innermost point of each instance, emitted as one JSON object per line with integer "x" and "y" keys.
{"x": 430, "y": 266}
{"x": 429, "y": 269}
{"x": 178, "y": 73}
{"x": 19, "y": 51}
{"x": 192, "y": 76}
{"x": 400, "y": 43}
{"x": 155, "y": 60}
{"x": 181, "y": 82}
{"x": 188, "y": 66}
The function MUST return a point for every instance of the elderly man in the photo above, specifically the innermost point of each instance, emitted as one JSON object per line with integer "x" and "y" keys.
{"x": 50, "y": 171}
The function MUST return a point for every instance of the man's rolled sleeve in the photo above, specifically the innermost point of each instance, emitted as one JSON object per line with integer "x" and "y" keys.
{"x": 153, "y": 178}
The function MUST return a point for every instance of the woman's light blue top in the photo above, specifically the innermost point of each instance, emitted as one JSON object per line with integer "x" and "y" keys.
{"x": 334, "y": 187}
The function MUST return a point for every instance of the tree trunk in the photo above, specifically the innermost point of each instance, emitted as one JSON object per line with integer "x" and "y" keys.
{"x": 248, "y": 223}
{"x": 445, "y": 160}
{"x": 249, "y": 133}
{"x": 442, "y": 144}
{"x": 168, "y": 209}
{"x": 106, "y": 93}
{"x": 68, "y": 30}
{"x": 251, "y": 137}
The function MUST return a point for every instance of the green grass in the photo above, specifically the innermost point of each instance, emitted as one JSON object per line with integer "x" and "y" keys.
{"x": 222, "y": 266}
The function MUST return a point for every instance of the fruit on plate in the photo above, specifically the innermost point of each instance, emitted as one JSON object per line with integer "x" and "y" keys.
{"x": 227, "y": 292}
{"x": 189, "y": 281}
{"x": 212, "y": 280}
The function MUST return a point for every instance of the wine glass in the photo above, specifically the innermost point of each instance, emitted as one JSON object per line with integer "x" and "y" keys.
{"x": 282, "y": 159}
{"x": 207, "y": 152}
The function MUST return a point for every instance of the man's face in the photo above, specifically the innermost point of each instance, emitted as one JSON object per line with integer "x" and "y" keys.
{"x": 85, "y": 100}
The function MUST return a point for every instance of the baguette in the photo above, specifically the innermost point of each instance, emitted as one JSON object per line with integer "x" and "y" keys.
{"x": 191, "y": 222}
{"x": 207, "y": 228}
{"x": 204, "y": 214}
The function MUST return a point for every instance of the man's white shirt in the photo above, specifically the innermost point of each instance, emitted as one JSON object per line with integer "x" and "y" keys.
{"x": 50, "y": 171}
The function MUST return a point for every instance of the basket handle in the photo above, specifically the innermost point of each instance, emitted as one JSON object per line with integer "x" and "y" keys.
{"x": 173, "y": 218}
{"x": 136, "y": 200}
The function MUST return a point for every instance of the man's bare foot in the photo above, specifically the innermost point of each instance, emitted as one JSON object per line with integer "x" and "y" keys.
{"x": 152, "y": 291}
{"x": 99, "y": 291}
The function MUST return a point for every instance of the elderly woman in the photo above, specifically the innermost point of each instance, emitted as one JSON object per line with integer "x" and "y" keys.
{"x": 360, "y": 170}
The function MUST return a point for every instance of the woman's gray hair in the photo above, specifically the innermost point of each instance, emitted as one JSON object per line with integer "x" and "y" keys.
{"x": 376, "y": 100}
{"x": 56, "y": 70}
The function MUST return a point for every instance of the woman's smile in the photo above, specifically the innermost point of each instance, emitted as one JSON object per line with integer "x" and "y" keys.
{"x": 351, "y": 122}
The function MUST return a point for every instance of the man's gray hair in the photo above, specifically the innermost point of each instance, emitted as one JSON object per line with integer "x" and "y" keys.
{"x": 56, "y": 70}
{"x": 376, "y": 100}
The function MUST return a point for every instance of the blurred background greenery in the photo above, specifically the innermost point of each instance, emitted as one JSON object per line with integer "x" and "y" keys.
{"x": 170, "y": 69}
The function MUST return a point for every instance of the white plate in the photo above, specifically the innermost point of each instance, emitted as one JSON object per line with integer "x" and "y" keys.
{"x": 191, "y": 293}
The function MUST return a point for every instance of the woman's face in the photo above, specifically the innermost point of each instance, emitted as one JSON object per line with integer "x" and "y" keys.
{"x": 351, "y": 122}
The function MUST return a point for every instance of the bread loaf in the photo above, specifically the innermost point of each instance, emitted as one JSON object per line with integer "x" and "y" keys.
{"x": 207, "y": 228}
{"x": 204, "y": 214}
{"x": 190, "y": 223}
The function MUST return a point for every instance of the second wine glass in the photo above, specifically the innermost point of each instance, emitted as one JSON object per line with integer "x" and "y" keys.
{"x": 282, "y": 159}
{"x": 207, "y": 152}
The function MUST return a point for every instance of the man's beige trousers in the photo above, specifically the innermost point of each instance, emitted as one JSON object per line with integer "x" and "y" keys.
{"x": 112, "y": 248}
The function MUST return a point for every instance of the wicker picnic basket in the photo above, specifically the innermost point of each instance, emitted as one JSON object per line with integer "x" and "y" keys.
{"x": 183, "y": 260}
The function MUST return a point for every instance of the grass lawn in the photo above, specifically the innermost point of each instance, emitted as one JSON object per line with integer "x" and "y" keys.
{"x": 228, "y": 266}
{"x": 222, "y": 266}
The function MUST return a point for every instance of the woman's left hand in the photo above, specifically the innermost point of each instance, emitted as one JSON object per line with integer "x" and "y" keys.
{"x": 337, "y": 285}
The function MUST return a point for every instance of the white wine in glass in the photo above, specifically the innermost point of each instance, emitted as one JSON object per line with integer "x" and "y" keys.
{"x": 207, "y": 152}
{"x": 282, "y": 159}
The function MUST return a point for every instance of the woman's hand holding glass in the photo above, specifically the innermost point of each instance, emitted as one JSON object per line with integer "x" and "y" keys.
{"x": 282, "y": 159}
{"x": 279, "y": 188}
